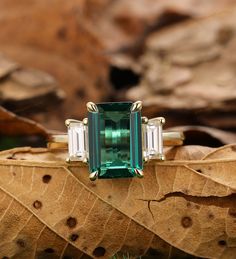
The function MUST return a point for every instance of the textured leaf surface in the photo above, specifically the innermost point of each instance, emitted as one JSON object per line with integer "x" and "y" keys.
{"x": 50, "y": 208}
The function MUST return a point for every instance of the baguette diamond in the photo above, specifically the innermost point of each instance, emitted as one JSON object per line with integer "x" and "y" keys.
{"x": 77, "y": 141}
{"x": 153, "y": 139}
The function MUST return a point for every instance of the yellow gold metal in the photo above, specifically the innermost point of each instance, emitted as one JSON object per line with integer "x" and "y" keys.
{"x": 93, "y": 176}
{"x": 69, "y": 121}
{"x": 57, "y": 145}
{"x": 144, "y": 120}
{"x": 173, "y": 138}
{"x": 68, "y": 160}
{"x": 160, "y": 120}
{"x": 170, "y": 138}
{"x": 139, "y": 173}
{"x": 85, "y": 160}
{"x": 136, "y": 106}
{"x": 85, "y": 121}
{"x": 160, "y": 157}
{"x": 61, "y": 138}
{"x": 92, "y": 107}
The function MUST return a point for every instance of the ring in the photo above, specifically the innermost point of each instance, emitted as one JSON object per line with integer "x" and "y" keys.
{"x": 115, "y": 140}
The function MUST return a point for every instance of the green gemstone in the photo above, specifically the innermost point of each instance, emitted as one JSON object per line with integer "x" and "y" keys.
{"x": 115, "y": 141}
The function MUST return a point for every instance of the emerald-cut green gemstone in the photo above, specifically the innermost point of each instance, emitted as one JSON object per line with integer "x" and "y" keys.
{"x": 115, "y": 141}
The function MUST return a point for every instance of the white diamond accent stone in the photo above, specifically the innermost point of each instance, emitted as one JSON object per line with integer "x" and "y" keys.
{"x": 78, "y": 141}
{"x": 152, "y": 139}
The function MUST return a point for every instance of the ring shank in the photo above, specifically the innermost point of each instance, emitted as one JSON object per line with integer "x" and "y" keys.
{"x": 170, "y": 138}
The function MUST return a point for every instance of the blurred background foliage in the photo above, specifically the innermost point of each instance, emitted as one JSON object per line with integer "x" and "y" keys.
{"x": 178, "y": 57}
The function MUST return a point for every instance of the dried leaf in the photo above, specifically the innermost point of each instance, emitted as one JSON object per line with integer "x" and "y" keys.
{"x": 204, "y": 89}
{"x": 124, "y": 23}
{"x": 23, "y": 89}
{"x": 205, "y": 136}
{"x": 188, "y": 204}
{"x": 66, "y": 48}
{"x": 13, "y": 125}
{"x": 6, "y": 66}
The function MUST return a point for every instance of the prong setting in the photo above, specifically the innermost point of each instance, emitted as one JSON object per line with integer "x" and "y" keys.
{"x": 145, "y": 159}
{"x": 69, "y": 121}
{"x": 85, "y": 121}
{"x": 85, "y": 160}
{"x": 92, "y": 107}
{"x": 162, "y": 120}
{"x": 139, "y": 173}
{"x": 68, "y": 160}
{"x": 159, "y": 120}
{"x": 144, "y": 120}
{"x": 93, "y": 176}
{"x": 81, "y": 139}
{"x": 136, "y": 106}
{"x": 160, "y": 157}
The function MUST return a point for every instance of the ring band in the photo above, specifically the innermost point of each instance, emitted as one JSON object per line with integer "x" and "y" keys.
{"x": 170, "y": 138}
{"x": 115, "y": 140}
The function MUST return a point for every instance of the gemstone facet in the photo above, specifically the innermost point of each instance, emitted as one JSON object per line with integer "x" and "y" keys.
{"x": 153, "y": 139}
{"x": 115, "y": 140}
{"x": 77, "y": 141}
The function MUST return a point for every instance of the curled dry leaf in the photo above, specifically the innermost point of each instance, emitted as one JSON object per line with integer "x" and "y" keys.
{"x": 187, "y": 204}
{"x": 13, "y": 125}
{"x": 188, "y": 72}
{"x": 25, "y": 89}
{"x": 205, "y": 136}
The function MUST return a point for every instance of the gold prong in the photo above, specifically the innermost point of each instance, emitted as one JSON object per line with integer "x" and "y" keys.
{"x": 144, "y": 120}
{"x": 85, "y": 121}
{"x": 158, "y": 120}
{"x": 145, "y": 159}
{"x": 92, "y": 107}
{"x": 68, "y": 160}
{"x": 139, "y": 173}
{"x": 69, "y": 121}
{"x": 160, "y": 157}
{"x": 136, "y": 106}
{"x": 162, "y": 120}
{"x": 93, "y": 176}
{"x": 85, "y": 160}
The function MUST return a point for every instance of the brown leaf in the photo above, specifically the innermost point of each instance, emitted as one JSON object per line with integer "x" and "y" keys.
{"x": 6, "y": 66}
{"x": 203, "y": 92}
{"x": 124, "y": 23}
{"x": 188, "y": 203}
{"x": 187, "y": 152}
{"x": 13, "y": 125}
{"x": 205, "y": 136}
{"x": 227, "y": 151}
{"x": 26, "y": 90}
{"x": 66, "y": 48}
